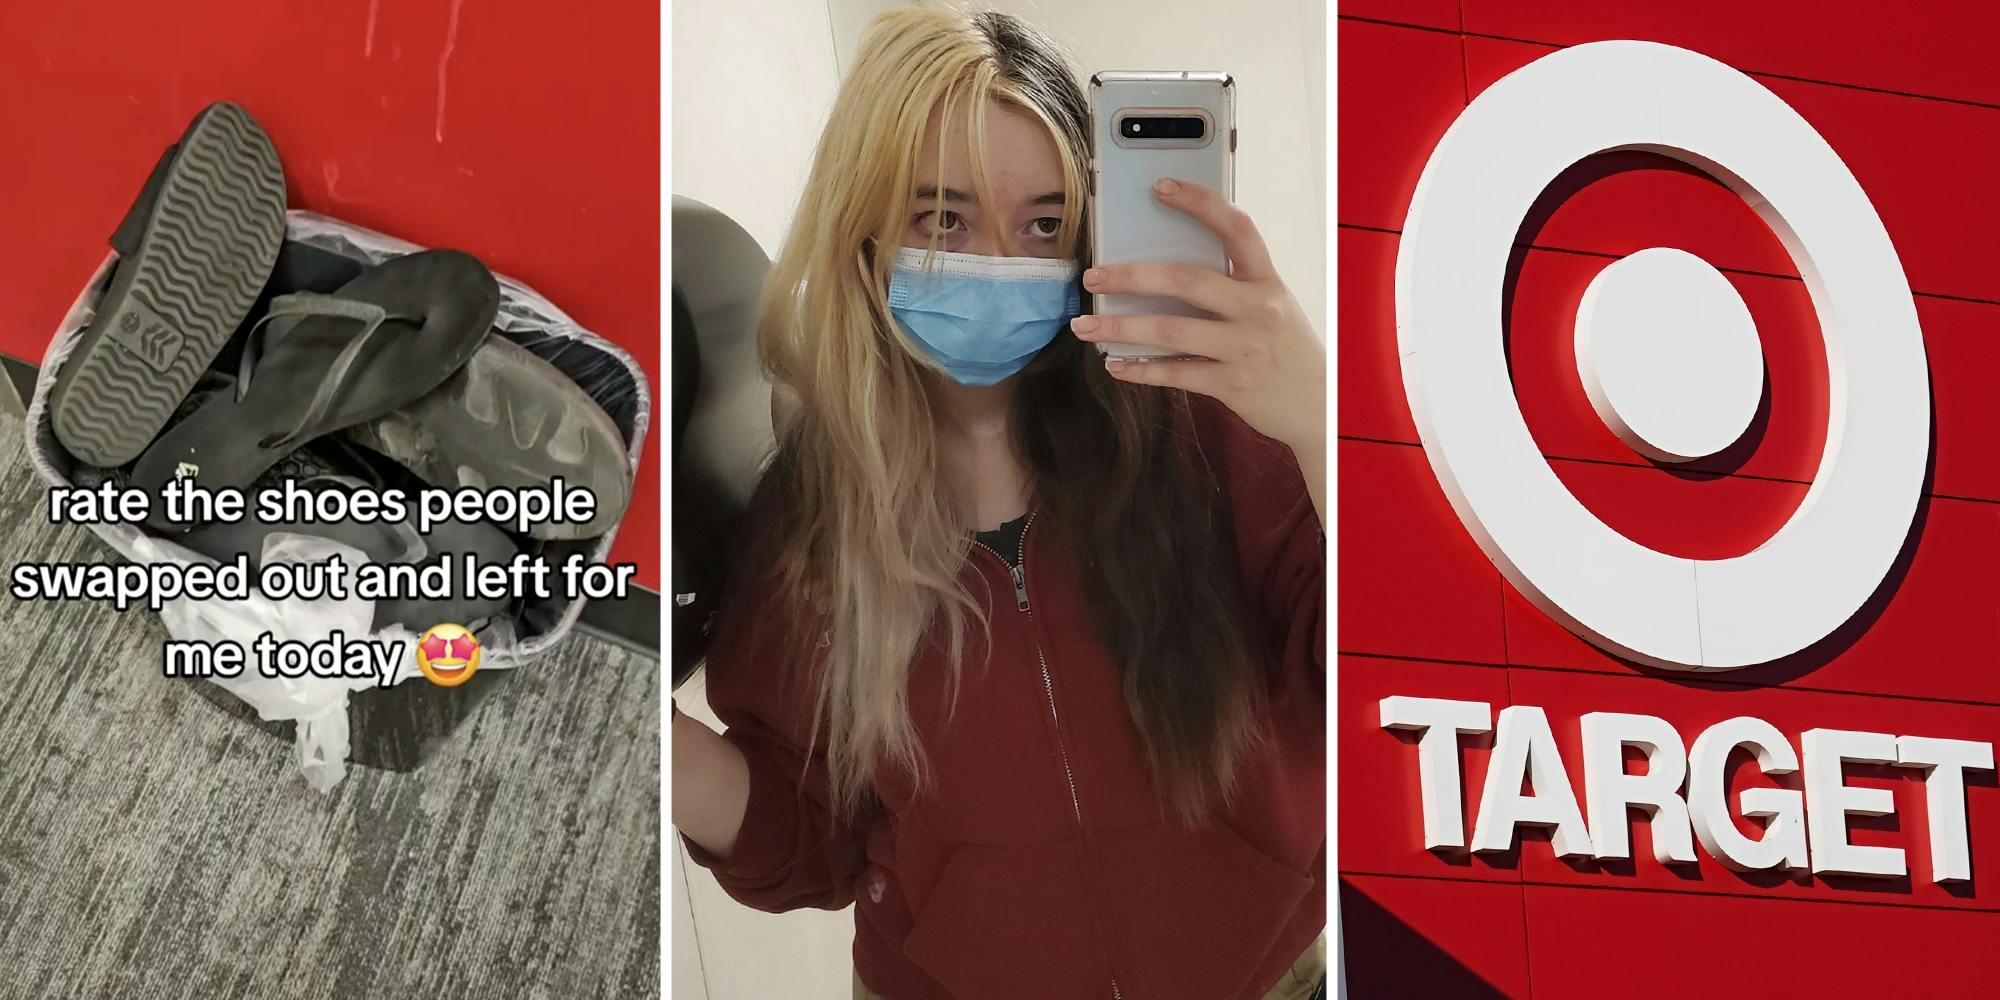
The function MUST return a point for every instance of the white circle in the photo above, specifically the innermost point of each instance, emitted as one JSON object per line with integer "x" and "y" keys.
{"x": 1669, "y": 355}
{"x": 1481, "y": 181}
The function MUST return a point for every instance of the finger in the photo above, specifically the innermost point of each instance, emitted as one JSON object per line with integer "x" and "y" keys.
{"x": 1249, "y": 258}
{"x": 1197, "y": 286}
{"x": 1179, "y": 334}
{"x": 1192, "y": 374}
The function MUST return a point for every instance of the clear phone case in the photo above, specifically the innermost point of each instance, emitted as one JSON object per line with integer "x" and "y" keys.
{"x": 1128, "y": 224}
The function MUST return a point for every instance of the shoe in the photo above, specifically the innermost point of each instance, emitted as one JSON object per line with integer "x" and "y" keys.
{"x": 193, "y": 252}
{"x": 318, "y": 363}
{"x": 510, "y": 419}
{"x": 333, "y": 464}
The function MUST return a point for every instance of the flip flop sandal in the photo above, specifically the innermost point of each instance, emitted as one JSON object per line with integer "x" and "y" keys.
{"x": 333, "y": 464}
{"x": 509, "y": 418}
{"x": 384, "y": 339}
{"x": 194, "y": 251}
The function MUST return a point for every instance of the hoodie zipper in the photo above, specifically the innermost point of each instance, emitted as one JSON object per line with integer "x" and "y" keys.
{"x": 1019, "y": 573}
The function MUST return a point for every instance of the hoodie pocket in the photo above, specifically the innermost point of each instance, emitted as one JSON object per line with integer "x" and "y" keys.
{"x": 1196, "y": 913}
{"x": 1004, "y": 923}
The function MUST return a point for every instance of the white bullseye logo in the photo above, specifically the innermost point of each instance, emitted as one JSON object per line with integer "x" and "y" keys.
{"x": 1668, "y": 354}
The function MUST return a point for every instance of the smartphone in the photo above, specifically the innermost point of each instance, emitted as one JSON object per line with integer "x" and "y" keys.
{"x": 1145, "y": 126}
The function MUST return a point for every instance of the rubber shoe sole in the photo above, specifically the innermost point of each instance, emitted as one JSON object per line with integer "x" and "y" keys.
{"x": 210, "y": 236}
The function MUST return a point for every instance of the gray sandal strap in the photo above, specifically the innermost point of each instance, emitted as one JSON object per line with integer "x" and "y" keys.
{"x": 370, "y": 315}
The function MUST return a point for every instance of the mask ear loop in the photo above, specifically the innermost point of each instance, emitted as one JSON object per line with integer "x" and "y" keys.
{"x": 870, "y": 258}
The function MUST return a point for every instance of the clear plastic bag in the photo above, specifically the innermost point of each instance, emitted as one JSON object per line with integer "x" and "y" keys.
{"x": 319, "y": 705}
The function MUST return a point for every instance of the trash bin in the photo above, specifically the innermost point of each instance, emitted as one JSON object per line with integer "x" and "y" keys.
{"x": 332, "y": 721}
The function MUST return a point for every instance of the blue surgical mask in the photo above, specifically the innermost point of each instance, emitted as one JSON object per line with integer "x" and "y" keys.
{"x": 981, "y": 318}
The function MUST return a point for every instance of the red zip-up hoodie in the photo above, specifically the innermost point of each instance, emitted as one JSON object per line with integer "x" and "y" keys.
{"x": 1036, "y": 865}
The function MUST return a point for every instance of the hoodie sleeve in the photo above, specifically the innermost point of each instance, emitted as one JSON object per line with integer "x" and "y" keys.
{"x": 1280, "y": 541}
{"x": 791, "y": 851}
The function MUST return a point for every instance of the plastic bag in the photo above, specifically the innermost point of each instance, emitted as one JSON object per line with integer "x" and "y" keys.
{"x": 317, "y": 704}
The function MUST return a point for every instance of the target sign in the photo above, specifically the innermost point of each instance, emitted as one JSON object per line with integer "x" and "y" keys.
{"x": 1668, "y": 355}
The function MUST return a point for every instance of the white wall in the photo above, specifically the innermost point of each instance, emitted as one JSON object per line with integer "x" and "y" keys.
{"x": 752, "y": 81}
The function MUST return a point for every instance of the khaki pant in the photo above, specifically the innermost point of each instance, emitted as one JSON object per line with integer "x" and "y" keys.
{"x": 1298, "y": 983}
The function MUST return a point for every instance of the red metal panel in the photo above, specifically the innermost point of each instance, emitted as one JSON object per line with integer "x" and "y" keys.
{"x": 1693, "y": 518}
{"x": 1398, "y": 90}
{"x": 1942, "y": 48}
{"x": 1587, "y": 944}
{"x": 1411, "y": 582}
{"x": 1372, "y": 404}
{"x": 1382, "y": 830}
{"x": 1428, "y": 13}
{"x": 1960, "y": 338}
{"x": 1921, "y": 163}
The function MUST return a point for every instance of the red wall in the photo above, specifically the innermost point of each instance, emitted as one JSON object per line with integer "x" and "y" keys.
{"x": 1907, "y": 95}
{"x": 528, "y": 134}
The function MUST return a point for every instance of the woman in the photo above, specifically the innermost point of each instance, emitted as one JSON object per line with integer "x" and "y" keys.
{"x": 1025, "y": 656}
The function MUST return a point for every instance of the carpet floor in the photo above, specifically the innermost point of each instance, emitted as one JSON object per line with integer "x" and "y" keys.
{"x": 155, "y": 843}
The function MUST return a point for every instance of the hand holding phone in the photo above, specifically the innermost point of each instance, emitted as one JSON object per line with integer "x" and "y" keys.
{"x": 1244, "y": 339}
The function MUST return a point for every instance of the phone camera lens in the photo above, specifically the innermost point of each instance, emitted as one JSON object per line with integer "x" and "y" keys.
{"x": 1165, "y": 127}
